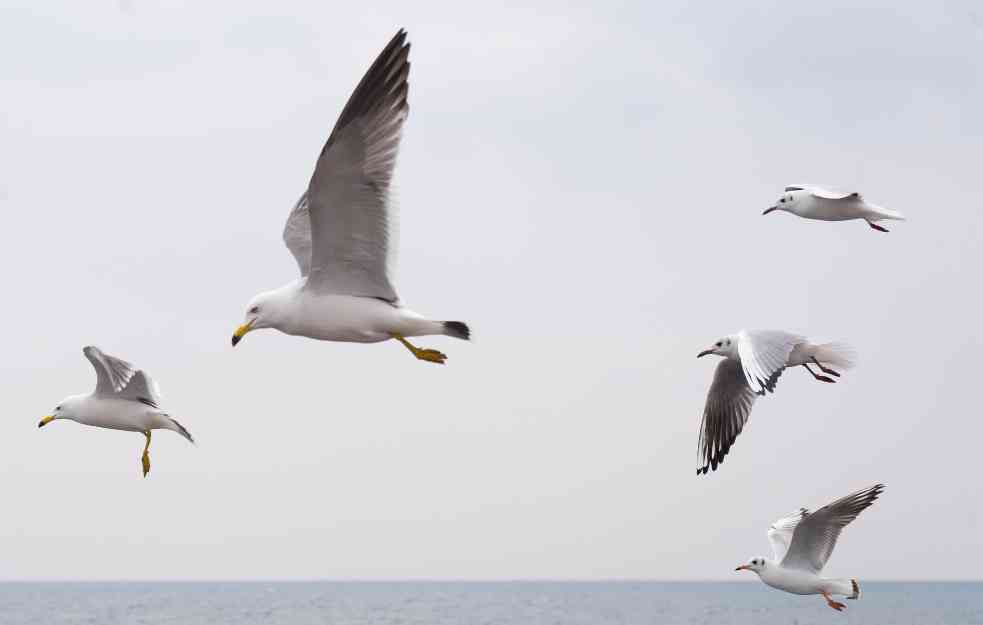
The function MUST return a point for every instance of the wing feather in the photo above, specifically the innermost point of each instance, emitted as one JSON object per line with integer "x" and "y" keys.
{"x": 112, "y": 374}
{"x": 764, "y": 355}
{"x": 815, "y": 535}
{"x": 727, "y": 409}
{"x": 115, "y": 376}
{"x": 780, "y": 532}
{"x": 348, "y": 196}
{"x": 297, "y": 234}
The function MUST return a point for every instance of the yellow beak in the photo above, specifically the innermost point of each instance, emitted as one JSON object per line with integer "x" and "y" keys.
{"x": 45, "y": 421}
{"x": 240, "y": 332}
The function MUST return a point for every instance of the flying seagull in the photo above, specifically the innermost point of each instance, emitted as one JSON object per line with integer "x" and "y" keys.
{"x": 814, "y": 202}
{"x": 803, "y": 542}
{"x": 341, "y": 232}
{"x": 752, "y": 362}
{"x": 125, "y": 399}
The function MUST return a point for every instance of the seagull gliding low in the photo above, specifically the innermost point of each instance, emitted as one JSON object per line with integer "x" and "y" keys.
{"x": 803, "y": 542}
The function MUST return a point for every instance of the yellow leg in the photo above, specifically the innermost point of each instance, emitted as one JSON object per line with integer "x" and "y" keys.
{"x": 146, "y": 455}
{"x": 430, "y": 355}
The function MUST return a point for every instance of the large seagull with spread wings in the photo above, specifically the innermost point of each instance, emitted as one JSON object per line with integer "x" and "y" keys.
{"x": 341, "y": 231}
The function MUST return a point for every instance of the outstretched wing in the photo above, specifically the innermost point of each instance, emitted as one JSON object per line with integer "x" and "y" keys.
{"x": 348, "y": 194}
{"x": 727, "y": 409}
{"x": 764, "y": 355}
{"x": 780, "y": 532}
{"x": 297, "y": 234}
{"x": 815, "y": 536}
{"x": 112, "y": 374}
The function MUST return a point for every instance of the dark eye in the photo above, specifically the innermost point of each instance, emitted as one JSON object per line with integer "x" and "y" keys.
{"x": 57, "y": 407}
{"x": 719, "y": 343}
{"x": 254, "y": 310}
{"x": 782, "y": 200}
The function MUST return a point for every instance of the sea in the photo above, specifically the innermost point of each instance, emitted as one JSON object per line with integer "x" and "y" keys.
{"x": 476, "y": 603}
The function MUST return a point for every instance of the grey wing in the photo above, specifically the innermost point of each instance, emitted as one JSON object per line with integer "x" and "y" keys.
{"x": 815, "y": 536}
{"x": 142, "y": 388}
{"x": 349, "y": 191}
{"x": 112, "y": 374}
{"x": 780, "y": 532}
{"x": 764, "y": 355}
{"x": 727, "y": 409}
{"x": 297, "y": 234}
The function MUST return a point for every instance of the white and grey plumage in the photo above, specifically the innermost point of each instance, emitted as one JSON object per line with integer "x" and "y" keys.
{"x": 340, "y": 231}
{"x": 812, "y": 202}
{"x": 752, "y": 362}
{"x": 125, "y": 398}
{"x": 804, "y": 541}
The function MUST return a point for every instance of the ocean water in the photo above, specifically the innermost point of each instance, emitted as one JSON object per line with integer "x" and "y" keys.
{"x": 476, "y": 603}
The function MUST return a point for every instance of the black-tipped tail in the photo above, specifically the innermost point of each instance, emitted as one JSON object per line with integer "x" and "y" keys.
{"x": 457, "y": 329}
{"x": 856, "y": 589}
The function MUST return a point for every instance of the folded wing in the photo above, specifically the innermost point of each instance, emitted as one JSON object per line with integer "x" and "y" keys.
{"x": 815, "y": 535}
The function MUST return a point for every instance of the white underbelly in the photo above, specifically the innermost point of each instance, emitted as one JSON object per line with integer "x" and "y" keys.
{"x": 838, "y": 210}
{"x": 793, "y": 581}
{"x": 344, "y": 318}
{"x": 119, "y": 414}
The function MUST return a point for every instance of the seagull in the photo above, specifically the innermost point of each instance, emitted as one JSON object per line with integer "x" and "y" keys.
{"x": 125, "y": 399}
{"x": 814, "y": 202}
{"x": 803, "y": 542}
{"x": 339, "y": 231}
{"x": 752, "y": 362}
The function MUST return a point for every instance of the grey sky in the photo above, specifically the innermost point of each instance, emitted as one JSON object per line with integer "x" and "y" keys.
{"x": 584, "y": 187}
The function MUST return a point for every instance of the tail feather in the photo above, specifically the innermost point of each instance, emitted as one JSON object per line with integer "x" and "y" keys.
{"x": 848, "y": 588}
{"x": 856, "y": 589}
{"x": 180, "y": 429}
{"x": 457, "y": 329}
{"x": 835, "y": 354}
{"x": 887, "y": 213}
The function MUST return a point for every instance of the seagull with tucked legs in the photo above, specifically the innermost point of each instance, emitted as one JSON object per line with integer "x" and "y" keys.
{"x": 812, "y": 202}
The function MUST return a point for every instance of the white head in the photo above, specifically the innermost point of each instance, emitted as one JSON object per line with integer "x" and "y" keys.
{"x": 263, "y": 311}
{"x": 69, "y": 408}
{"x": 789, "y": 202}
{"x": 755, "y": 564}
{"x": 726, "y": 347}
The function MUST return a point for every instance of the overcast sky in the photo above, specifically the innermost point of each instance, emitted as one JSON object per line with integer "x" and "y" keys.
{"x": 584, "y": 186}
